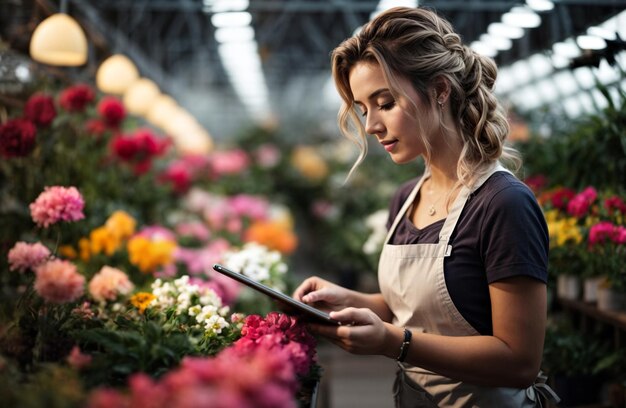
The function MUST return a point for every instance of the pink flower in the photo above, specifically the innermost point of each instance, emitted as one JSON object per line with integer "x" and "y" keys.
{"x": 56, "y": 204}
{"x": 195, "y": 230}
{"x": 229, "y": 162}
{"x": 107, "y": 398}
{"x": 601, "y": 232}
{"x": 256, "y": 208}
{"x": 620, "y": 235}
{"x": 267, "y": 155}
{"x": 77, "y": 360}
{"x": 109, "y": 283}
{"x": 40, "y": 109}
{"x": 25, "y": 256}
{"x": 179, "y": 175}
{"x": 157, "y": 233}
{"x": 580, "y": 205}
{"x": 58, "y": 281}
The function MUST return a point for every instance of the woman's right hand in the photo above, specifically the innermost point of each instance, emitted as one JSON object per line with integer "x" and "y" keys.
{"x": 323, "y": 295}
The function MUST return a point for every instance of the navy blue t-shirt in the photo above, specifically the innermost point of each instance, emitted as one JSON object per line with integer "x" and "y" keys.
{"x": 501, "y": 233}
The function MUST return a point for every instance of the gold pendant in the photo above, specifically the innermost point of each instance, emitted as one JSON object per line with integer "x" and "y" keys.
{"x": 432, "y": 211}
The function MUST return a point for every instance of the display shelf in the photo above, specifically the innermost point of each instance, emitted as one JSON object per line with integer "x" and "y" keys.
{"x": 589, "y": 311}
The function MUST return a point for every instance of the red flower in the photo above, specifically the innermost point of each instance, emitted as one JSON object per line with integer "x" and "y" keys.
{"x": 17, "y": 138}
{"x": 149, "y": 143}
{"x": 615, "y": 203}
{"x": 125, "y": 147}
{"x": 112, "y": 111}
{"x": 536, "y": 183}
{"x": 95, "y": 127}
{"x": 179, "y": 174}
{"x": 580, "y": 205}
{"x": 40, "y": 110}
{"x": 75, "y": 98}
{"x": 601, "y": 232}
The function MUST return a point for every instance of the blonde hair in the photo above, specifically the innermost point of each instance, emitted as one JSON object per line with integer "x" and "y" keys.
{"x": 417, "y": 44}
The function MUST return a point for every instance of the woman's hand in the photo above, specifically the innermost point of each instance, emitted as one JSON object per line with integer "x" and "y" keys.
{"x": 323, "y": 295}
{"x": 361, "y": 332}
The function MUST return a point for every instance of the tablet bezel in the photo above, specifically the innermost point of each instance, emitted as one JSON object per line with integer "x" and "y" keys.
{"x": 307, "y": 310}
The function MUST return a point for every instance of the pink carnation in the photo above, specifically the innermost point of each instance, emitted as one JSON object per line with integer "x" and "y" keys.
{"x": 58, "y": 281}
{"x": 580, "y": 205}
{"x": 56, "y": 204}
{"x": 25, "y": 256}
{"x": 229, "y": 162}
{"x": 77, "y": 360}
{"x": 109, "y": 283}
{"x": 620, "y": 235}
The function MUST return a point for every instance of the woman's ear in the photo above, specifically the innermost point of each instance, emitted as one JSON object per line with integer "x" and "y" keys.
{"x": 442, "y": 88}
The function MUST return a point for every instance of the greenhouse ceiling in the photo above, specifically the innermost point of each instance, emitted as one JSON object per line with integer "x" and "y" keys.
{"x": 232, "y": 61}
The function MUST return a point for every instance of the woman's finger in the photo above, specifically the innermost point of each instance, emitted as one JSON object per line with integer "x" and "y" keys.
{"x": 351, "y": 316}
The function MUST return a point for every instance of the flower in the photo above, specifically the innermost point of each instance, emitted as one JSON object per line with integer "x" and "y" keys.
{"x": 58, "y": 281}
{"x": 96, "y": 127}
{"x": 178, "y": 174}
{"x": 557, "y": 198}
{"x": 76, "y": 98}
{"x": 142, "y": 300}
{"x": 615, "y": 204}
{"x": 229, "y": 162}
{"x": 17, "y": 138}
{"x": 148, "y": 255}
{"x": 601, "y": 233}
{"x": 258, "y": 263}
{"x": 108, "y": 283}
{"x": 580, "y": 205}
{"x": 121, "y": 224}
{"x": 139, "y": 148}
{"x": 25, "y": 256}
{"x": 56, "y": 204}
{"x": 308, "y": 162}
{"x": 40, "y": 109}
{"x": 112, "y": 111}
{"x": 272, "y": 234}
{"x": 267, "y": 155}
{"x": 77, "y": 360}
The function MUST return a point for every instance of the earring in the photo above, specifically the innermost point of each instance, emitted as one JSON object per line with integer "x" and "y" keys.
{"x": 440, "y": 102}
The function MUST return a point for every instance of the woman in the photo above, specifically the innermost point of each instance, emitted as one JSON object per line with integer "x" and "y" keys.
{"x": 463, "y": 271}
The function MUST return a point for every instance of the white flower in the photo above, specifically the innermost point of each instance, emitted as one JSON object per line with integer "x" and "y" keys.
{"x": 377, "y": 222}
{"x": 215, "y": 324}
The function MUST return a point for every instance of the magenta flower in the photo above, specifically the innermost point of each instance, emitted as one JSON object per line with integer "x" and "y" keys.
{"x": 56, "y": 204}
{"x": 24, "y": 256}
{"x": 601, "y": 232}
{"x": 619, "y": 236}
{"x": 58, "y": 281}
{"x": 580, "y": 205}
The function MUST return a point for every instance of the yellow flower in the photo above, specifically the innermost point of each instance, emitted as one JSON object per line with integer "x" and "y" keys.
{"x": 84, "y": 248}
{"x": 149, "y": 255}
{"x": 68, "y": 251}
{"x": 142, "y": 300}
{"x": 103, "y": 240}
{"x": 564, "y": 231}
{"x": 309, "y": 163}
{"x": 121, "y": 224}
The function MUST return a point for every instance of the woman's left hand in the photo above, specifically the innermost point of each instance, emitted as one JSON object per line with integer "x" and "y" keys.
{"x": 361, "y": 331}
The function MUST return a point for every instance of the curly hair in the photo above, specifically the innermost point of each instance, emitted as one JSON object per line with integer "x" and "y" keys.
{"x": 419, "y": 45}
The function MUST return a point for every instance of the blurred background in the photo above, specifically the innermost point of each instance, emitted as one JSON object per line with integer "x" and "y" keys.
{"x": 221, "y": 115}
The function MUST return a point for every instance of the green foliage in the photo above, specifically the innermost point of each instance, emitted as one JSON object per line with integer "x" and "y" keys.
{"x": 590, "y": 151}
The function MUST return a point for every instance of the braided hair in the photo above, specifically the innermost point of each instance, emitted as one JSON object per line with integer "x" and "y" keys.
{"x": 419, "y": 45}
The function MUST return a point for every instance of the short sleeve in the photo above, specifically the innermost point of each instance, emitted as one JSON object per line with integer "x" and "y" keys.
{"x": 515, "y": 239}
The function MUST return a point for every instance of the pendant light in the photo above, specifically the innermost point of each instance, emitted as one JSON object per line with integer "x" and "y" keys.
{"x": 140, "y": 96}
{"x": 116, "y": 74}
{"x": 59, "y": 40}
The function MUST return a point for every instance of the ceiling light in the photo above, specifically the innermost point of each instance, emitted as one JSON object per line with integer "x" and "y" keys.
{"x": 484, "y": 49}
{"x": 565, "y": 82}
{"x": 559, "y": 61}
{"x": 521, "y": 71}
{"x": 499, "y": 43}
{"x": 540, "y": 5}
{"x": 585, "y": 77}
{"x": 234, "y": 34}
{"x": 140, "y": 96}
{"x": 590, "y": 42}
{"x": 59, "y": 40}
{"x": 540, "y": 65}
{"x": 602, "y": 33}
{"x": 116, "y": 74}
{"x": 220, "y": 6}
{"x": 234, "y": 19}
{"x": 523, "y": 17}
{"x": 161, "y": 110}
{"x": 503, "y": 30}
{"x": 567, "y": 49}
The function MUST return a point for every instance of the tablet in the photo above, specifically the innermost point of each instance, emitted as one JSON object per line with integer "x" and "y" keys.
{"x": 306, "y": 311}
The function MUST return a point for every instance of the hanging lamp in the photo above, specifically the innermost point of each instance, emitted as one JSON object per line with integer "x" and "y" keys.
{"x": 116, "y": 74}
{"x": 59, "y": 40}
{"x": 140, "y": 96}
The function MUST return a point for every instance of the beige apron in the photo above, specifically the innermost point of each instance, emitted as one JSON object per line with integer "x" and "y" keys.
{"x": 412, "y": 283}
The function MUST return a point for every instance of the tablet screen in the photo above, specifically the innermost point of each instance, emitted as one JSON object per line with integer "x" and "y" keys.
{"x": 300, "y": 308}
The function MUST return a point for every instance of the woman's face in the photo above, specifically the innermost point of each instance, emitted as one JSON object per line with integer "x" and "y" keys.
{"x": 388, "y": 119}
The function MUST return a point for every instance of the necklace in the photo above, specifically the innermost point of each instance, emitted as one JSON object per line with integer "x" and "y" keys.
{"x": 432, "y": 210}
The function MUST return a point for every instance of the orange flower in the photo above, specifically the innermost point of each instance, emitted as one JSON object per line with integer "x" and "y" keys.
{"x": 149, "y": 255}
{"x": 142, "y": 300}
{"x": 68, "y": 251}
{"x": 275, "y": 235}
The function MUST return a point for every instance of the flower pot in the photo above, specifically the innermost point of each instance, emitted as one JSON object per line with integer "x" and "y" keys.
{"x": 609, "y": 299}
{"x": 590, "y": 288}
{"x": 568, "y": 287}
